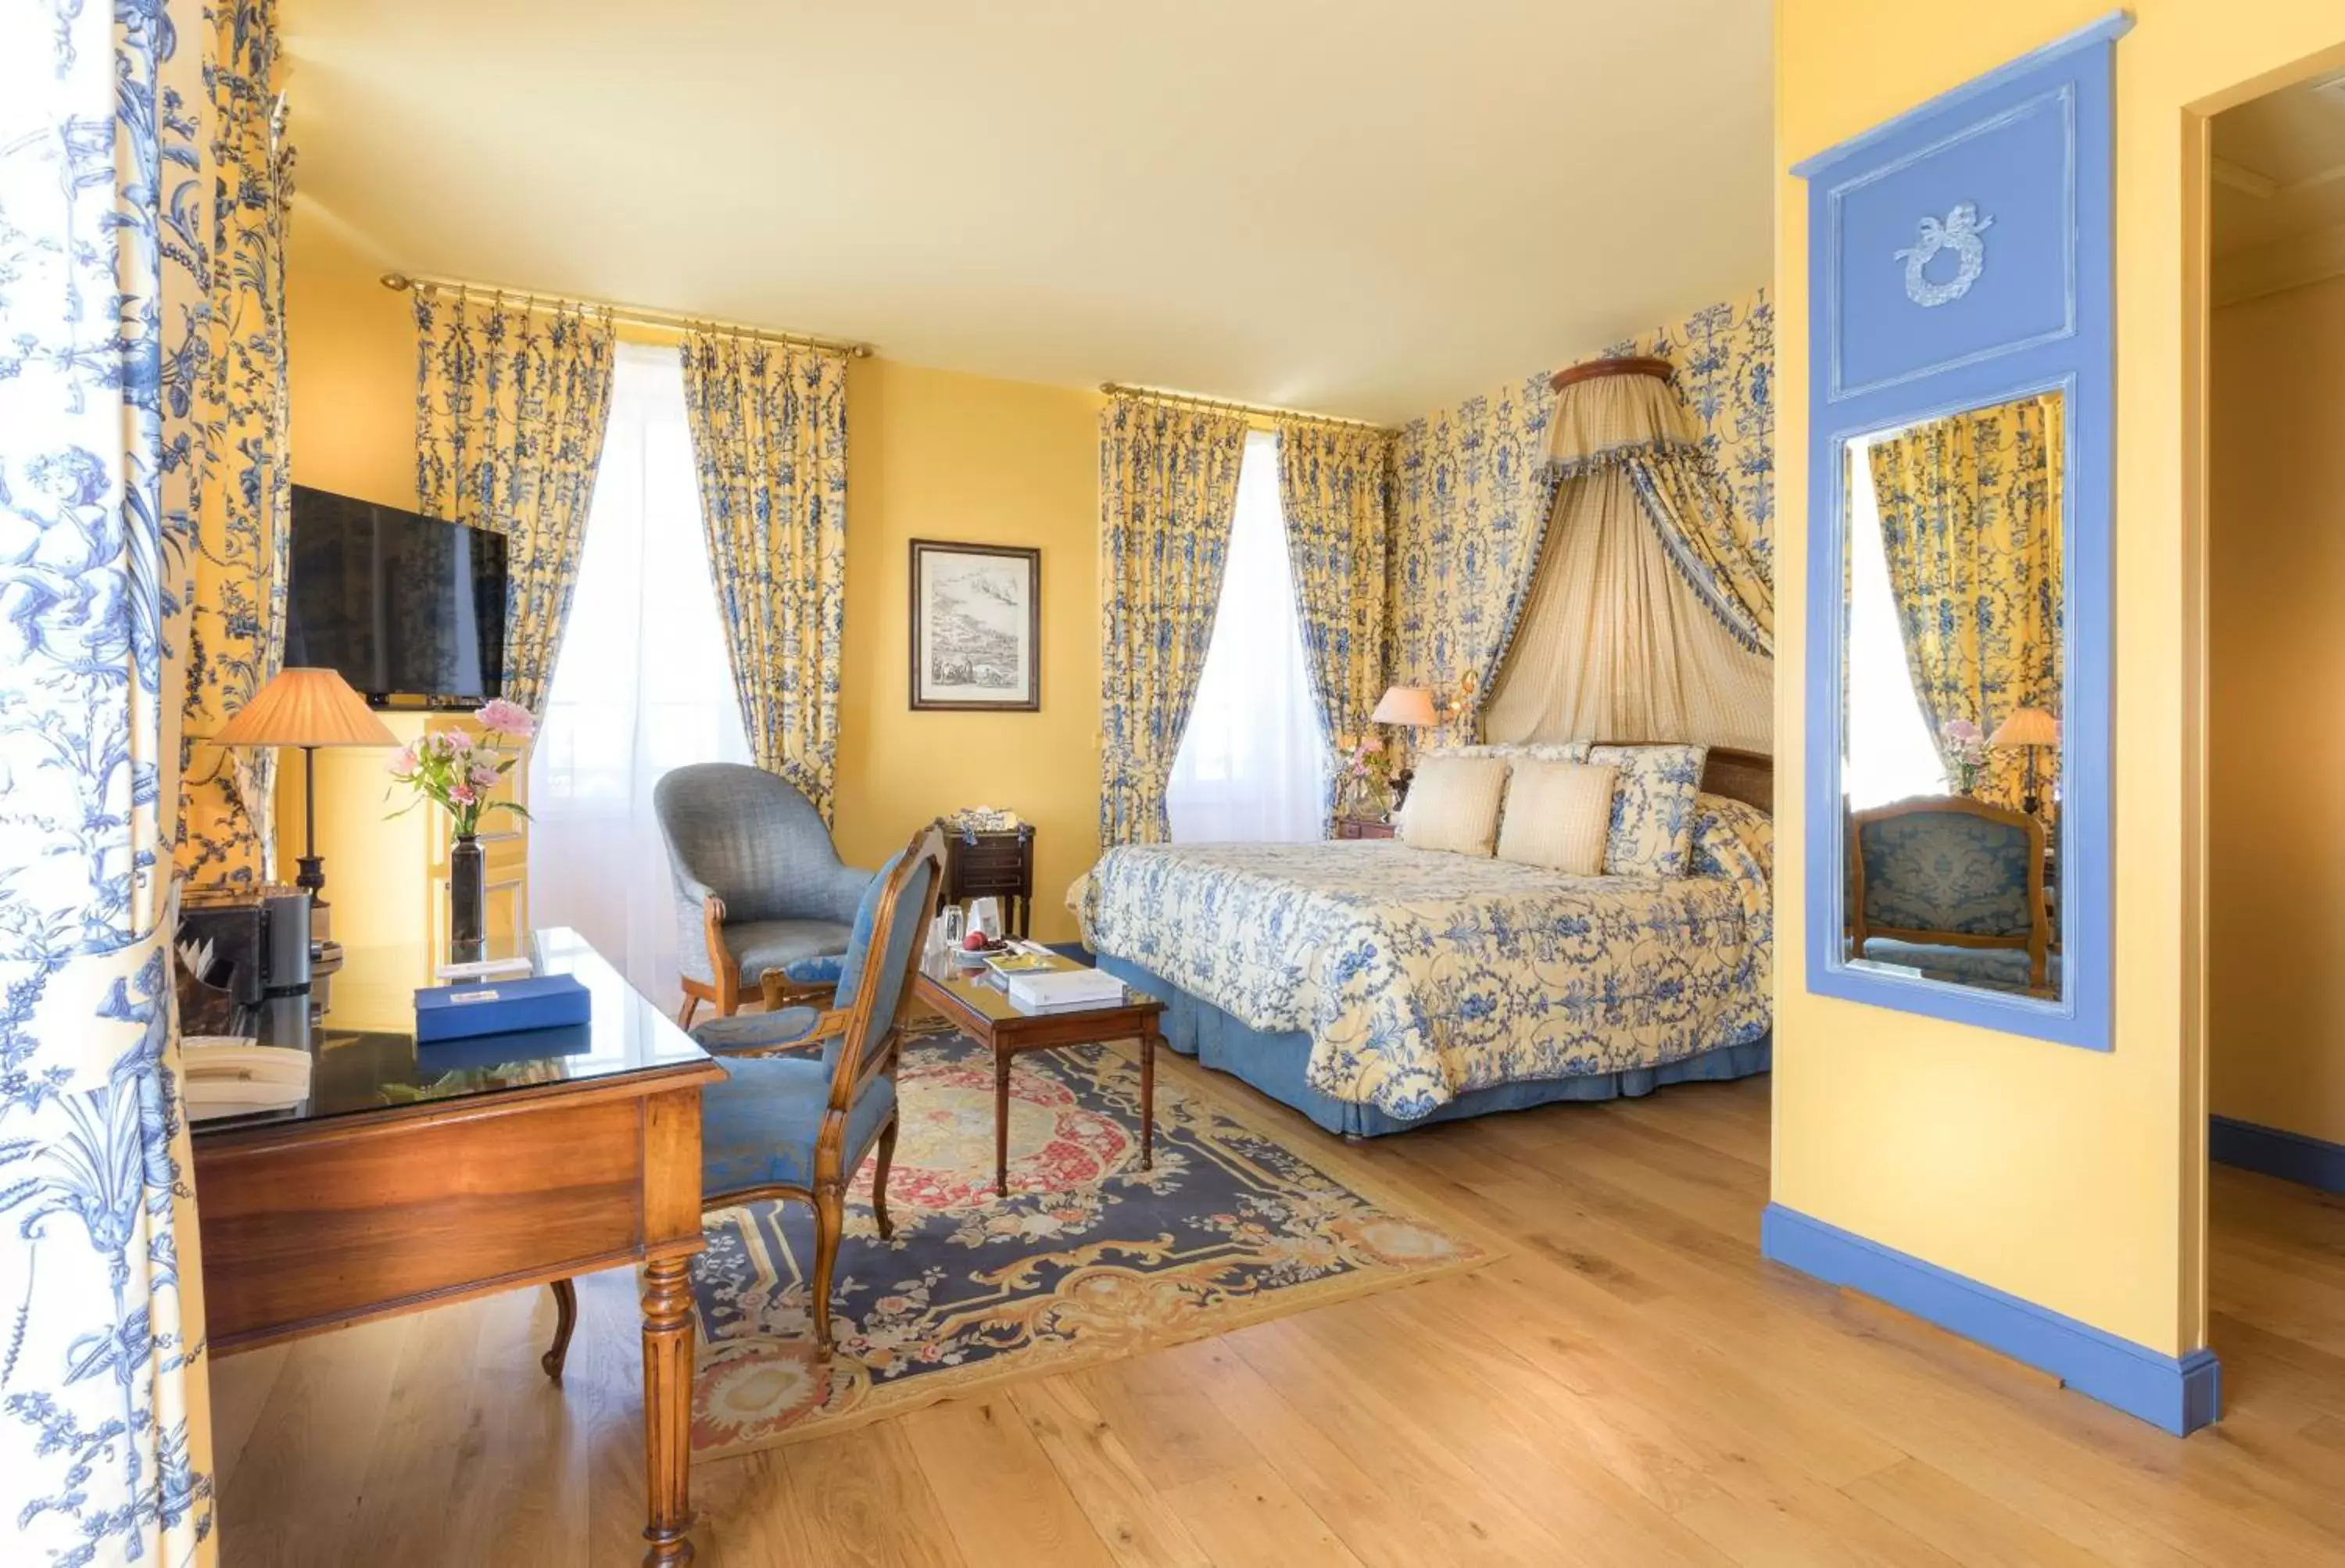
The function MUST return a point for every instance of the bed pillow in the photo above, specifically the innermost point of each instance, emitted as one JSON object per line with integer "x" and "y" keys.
{"x": 1559, "y": 816}
{"x": 1454, "y": 805}
{"x": 1531, "y": 750}
{"x": 1652, "y": 808}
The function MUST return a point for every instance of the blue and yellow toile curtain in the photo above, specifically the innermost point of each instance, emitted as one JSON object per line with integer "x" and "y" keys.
{"x": 235, "y": 641}
{"x": 1970, "y": 523}
{"x": 107, "y": 241}
{"x": 1335, "y": 486}
{"x": 512, "y": 398}
{"x": 769, "y": 439}
{"x": 1168, "y": 497}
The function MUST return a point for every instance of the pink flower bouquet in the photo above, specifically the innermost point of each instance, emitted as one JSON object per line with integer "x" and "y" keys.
{"x": 1964, "y": 746}
{"x": 457, "y": 771}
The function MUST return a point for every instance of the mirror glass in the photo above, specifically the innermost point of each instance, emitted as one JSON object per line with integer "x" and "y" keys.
{"x": 1951, "y": 693}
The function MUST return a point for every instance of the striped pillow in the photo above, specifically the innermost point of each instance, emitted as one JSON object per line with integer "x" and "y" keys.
{"x": 1454, "y": 805}
{"x": 1558, "y": 815}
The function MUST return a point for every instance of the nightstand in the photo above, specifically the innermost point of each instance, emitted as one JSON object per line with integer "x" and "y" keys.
{"x": 982, "y": 864}
{"x": 1363, "y": 828}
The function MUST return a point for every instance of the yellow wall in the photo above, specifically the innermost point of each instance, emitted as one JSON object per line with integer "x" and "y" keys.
{"x": 936, "y": 455}
{"x": 2070, "y": 1178}
{"x": 931, "y": 454}
{"x": 2275, "y": 577}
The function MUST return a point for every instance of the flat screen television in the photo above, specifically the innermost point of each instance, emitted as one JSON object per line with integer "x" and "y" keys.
{"x": 401, "y": 606}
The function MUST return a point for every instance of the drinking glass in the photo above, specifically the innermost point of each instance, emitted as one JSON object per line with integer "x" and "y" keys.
{"x": 949, "y": 928}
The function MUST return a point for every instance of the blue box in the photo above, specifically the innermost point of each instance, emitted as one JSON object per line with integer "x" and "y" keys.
{"x": 499, "y": 1006}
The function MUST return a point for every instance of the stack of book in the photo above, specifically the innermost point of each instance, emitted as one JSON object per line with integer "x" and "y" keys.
{"x": 1062, "y": 990}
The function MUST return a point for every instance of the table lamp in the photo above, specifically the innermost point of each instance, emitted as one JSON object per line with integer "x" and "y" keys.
{"x": 2031, "y": 728}
{"x": 308, "y": 708}
{"x": 1411, "y": 708}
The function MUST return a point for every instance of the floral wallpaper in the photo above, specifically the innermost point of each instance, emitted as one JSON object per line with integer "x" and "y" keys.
{"x": 235, "y": 640}
{"x": 1472, "y": 492}
{"x": 107, "y": 236}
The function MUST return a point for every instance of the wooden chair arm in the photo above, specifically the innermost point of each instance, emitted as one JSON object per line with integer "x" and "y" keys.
{"x": 720, "y": 959}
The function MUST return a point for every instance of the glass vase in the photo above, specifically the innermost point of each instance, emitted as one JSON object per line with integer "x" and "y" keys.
{"x": 467, "y": 895}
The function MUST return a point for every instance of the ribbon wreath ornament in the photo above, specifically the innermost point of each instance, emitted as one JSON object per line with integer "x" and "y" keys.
{"x": 1960, "y": 234}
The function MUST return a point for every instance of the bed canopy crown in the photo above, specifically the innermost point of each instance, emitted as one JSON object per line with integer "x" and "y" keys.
{"x": 1649, "y": 617}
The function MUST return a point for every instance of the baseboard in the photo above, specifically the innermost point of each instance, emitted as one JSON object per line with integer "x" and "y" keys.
{"x": 2180, "y": 1395}
{"x": 2291, "y": 1156}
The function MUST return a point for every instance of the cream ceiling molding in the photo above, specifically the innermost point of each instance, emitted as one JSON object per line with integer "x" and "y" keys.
{"x": 634, "y": 315}
{"x": 2289, "y": 263}
{"x": 1255, "y": 411}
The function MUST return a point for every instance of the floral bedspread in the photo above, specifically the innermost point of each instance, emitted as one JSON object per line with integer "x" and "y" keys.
{"x": 1419, "y": 975}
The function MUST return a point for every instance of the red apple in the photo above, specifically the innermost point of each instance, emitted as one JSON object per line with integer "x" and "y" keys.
{"x": 974, "y": 941}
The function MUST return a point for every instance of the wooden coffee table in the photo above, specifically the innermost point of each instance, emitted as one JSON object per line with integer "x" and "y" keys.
{"x": 977, "y": 1005}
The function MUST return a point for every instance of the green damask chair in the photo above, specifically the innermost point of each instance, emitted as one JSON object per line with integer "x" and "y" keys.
{"x": 1947, "y": 871}
{"x": 789, "y": 1123}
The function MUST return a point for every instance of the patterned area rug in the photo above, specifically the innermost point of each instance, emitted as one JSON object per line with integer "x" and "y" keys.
{"x": 1089, "y": 1258}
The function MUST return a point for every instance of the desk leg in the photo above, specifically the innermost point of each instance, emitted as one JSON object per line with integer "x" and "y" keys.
{"x": 667, "y": 1409}
{"x": 1148, "y": 1097}
{"x": 1000, "y": 1123}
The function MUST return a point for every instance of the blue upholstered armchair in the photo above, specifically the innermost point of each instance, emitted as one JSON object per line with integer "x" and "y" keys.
{"x": 759, "y": 886}
{"x": 1949, "y": 871}
{"x": 789, "y": 1124}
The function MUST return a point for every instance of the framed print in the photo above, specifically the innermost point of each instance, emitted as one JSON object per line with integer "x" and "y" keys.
{"x": 977, "y": 627}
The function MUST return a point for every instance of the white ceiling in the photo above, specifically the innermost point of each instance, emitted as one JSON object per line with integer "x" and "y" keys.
{"x": 2280, "y": 169}
{"x": 1366, "y": 206}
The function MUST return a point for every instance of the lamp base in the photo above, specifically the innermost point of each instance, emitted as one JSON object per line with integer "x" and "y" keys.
{"x": 312, "y": 874}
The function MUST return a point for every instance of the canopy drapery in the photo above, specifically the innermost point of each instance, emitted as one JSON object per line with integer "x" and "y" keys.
{"x": 1651, "y": 615}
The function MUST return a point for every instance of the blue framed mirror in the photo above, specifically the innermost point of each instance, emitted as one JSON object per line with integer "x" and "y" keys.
{"x": 1959, "y": 631}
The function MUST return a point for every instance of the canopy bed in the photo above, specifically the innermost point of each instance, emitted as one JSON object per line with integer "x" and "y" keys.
{"x": 1377, "y": 985}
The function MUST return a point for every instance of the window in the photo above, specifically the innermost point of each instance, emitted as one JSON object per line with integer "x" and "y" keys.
{"x": 1899, "y": 757}
{"x": 641, "y": 685}
{"x": 1252, "y": 763}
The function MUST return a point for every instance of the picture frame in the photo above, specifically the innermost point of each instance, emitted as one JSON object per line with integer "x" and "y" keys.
{"x": 975, "y": 628}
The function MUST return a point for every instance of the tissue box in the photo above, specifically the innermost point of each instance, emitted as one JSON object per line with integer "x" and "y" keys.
{"x": 499, "y": 1007}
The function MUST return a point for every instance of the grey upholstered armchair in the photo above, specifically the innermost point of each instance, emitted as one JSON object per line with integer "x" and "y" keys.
{"x": 759, "y": 886}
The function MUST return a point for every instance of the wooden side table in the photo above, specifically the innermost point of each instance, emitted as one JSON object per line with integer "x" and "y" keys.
{"x": 980, "y": 1009}
{"x": 1363, "y": 828}
{"x": 980, "y": 864}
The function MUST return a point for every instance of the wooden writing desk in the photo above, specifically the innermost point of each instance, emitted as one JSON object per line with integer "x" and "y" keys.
{"x": 416, "y": 1176}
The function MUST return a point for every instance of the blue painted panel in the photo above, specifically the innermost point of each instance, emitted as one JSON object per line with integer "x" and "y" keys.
{"x": 2180, "y": 1394}
{"x": 1993, "y": 135}
{"x": 1958, "y": 253}
{"x": 2291, "y": 1156}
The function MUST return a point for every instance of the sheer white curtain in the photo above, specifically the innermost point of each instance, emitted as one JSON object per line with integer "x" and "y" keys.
{"x": 640, "y": 686}
{"x": 1890, "y": 753}
{"x": 1249, "y": 763}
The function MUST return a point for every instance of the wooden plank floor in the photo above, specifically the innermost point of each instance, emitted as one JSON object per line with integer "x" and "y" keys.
{"x": 1633, "y": 1386}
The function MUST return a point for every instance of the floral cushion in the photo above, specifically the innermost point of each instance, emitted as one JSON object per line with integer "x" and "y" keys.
{"x": 1652, "y": 808}
{"x": 1535, "y": 751}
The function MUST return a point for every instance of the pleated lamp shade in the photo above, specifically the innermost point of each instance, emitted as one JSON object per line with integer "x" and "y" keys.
{"x": 2026, "y": 726}
{"x": 306, "y": 708}
{"x": 1409, "y": 705}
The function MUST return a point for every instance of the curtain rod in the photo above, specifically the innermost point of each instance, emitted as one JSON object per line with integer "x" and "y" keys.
{"x": 1162, "y": 395}
{"x": 634, "y": 315}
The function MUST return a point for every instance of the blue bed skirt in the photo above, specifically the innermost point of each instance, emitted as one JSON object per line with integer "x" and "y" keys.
{"x": 1276, "y": 1064}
